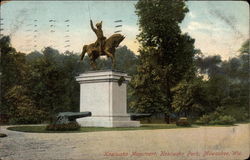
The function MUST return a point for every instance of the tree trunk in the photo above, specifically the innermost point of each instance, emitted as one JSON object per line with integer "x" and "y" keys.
{"x": 169, "y": 101}
{"x": 167, "y": 118}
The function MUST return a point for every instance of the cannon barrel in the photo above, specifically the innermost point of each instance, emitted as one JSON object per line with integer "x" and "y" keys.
{"x": 74, "y": 116}
{"x": 67, "y": 117}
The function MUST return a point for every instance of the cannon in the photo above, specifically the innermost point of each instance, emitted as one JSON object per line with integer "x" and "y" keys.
{"x": 136, "y": 116}
{"x": 67, "y": 117}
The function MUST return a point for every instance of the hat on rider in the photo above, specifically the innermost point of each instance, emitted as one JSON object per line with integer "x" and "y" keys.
{"x": 99, "y": 24}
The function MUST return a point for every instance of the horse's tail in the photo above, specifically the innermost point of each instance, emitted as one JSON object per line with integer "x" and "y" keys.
{"x": 84, "y": 50}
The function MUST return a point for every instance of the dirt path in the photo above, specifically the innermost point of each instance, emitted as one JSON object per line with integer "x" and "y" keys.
{"x": 204, "y": 143}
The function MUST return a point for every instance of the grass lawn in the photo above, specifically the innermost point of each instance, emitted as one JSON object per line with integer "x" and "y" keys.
{"x": 41, "y": 129}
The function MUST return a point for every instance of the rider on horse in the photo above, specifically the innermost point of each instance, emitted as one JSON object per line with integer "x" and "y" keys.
{"x": 99, "y": 33}
{"x": 103, "y": 46}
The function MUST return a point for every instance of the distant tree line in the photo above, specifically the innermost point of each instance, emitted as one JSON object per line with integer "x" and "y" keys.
{"x": 38, "y": 85}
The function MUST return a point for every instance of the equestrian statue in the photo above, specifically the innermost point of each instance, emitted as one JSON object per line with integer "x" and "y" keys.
{"x": 103, "y": 46}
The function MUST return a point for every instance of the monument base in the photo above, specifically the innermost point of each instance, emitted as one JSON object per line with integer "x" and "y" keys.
{"x": 107, "y": 122}
{"x": 104, "y": 94}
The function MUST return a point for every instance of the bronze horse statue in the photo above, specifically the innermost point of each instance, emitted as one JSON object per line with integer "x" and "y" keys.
{"x": 108, "y": 49}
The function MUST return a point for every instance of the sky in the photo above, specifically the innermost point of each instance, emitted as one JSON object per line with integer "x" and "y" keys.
{"x": 218, "y": 27}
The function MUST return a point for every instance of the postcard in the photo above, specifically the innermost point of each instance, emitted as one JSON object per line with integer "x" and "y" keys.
{"x": 124, "y": 80}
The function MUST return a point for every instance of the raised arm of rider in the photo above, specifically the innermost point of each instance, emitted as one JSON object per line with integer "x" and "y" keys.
{"x": 92, "y": 26}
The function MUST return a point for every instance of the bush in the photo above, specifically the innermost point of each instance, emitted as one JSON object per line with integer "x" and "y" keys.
{"x": 239, "y": 113}
{"x": 205, "y": 119}
{"x": 214, "y": 118}
{"x": 183, "y": 121}
{"x": 72, "y": 126}
{"x": 28, "y": 115}
{"x": 22, "y": 108}
{"x": 226, "y": 120}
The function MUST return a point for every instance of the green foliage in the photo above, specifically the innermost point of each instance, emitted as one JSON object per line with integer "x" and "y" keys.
{"x": 209, "y": 65}
{"x": 245, "y": 47}
{"x": 228, "y": 84}
{"x": 33, "y": 56}
{"x": 239, "y": 113}
{"x": 40, "y": 84}
{"x": 166, "y": 55}
{"x": 13, "y": 69}
{"x": 224, "y": 120}
{"x": 216, "y": 118}
{"x": 205, "y": 119}
{"x": 22, "y": 110}
{"x": 72, "y": 126}
{"x": 126, "y": 60}
{"x": 159, "y": 20}
{"x": 217, "y": 89}
{"x": 190, "y": 98}
{"x": 28, "y": 115}
{"x": 52, "y": 81}
{"x": 147, "y": 88}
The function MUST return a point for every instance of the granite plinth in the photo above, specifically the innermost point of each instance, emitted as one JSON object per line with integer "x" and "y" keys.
{"x": 104, "y": 94}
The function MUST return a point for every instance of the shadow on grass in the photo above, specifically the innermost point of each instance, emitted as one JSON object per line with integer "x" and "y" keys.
{"x": 41, "y": 129}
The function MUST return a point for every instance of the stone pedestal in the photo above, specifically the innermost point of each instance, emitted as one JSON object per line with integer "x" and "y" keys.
{"x": 104, "y": 94}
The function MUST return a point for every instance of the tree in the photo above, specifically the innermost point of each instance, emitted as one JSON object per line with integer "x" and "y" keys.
{"x": 190, "y": 98}
{"x": 209, "y": 65}
{"x": 13, "y": 69}
{"x": 227, "y": 86}
{"x": 147, "y": 92}
{"x": 126, "y": 60}
{"x": 51, "y": 81}
{"x": 244, "y": 75}
{"x": 33, "y": 56}
{"x": 245, "y": 47}
{"x": 22, "y": 109}
{"x": 166, "y": 55}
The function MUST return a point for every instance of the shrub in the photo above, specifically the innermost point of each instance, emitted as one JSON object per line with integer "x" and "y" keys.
{"x": 215, "y": 118}
{"x": 28, "y": 115}
{"x": 183, "y": 121}
{"x": 71, "y": 126}
{"x": 226, "y": 120}
{"x": 205, "y": 119}
{"x": 22, "y": 109}
{"x": 239, "y": 113}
